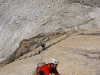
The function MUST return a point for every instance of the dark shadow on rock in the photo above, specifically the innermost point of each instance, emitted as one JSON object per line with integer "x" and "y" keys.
{"x": 28, "y": 45}
{"x": 89, "y": 34}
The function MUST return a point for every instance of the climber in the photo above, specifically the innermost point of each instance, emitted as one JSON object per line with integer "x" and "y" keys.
{"x": 43, "y": 46}
{"x": 46, "y": 69}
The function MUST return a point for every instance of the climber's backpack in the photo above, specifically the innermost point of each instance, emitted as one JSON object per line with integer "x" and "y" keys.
{"x": 38, "y": 66}
{"x": 41, "y": 73}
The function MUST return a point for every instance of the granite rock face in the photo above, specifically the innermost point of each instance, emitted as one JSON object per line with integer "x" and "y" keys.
{"x": 21, "y": 20}
{"x": 25, "y": 19}
{"x": 78, "y": 54}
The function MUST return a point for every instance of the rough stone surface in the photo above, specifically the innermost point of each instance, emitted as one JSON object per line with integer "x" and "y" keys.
{"x": 78, "y": 54}
{"x": 25, "y": 19}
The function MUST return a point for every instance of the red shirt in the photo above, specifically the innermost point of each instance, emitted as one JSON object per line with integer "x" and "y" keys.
{"x": 47, "y": 69}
